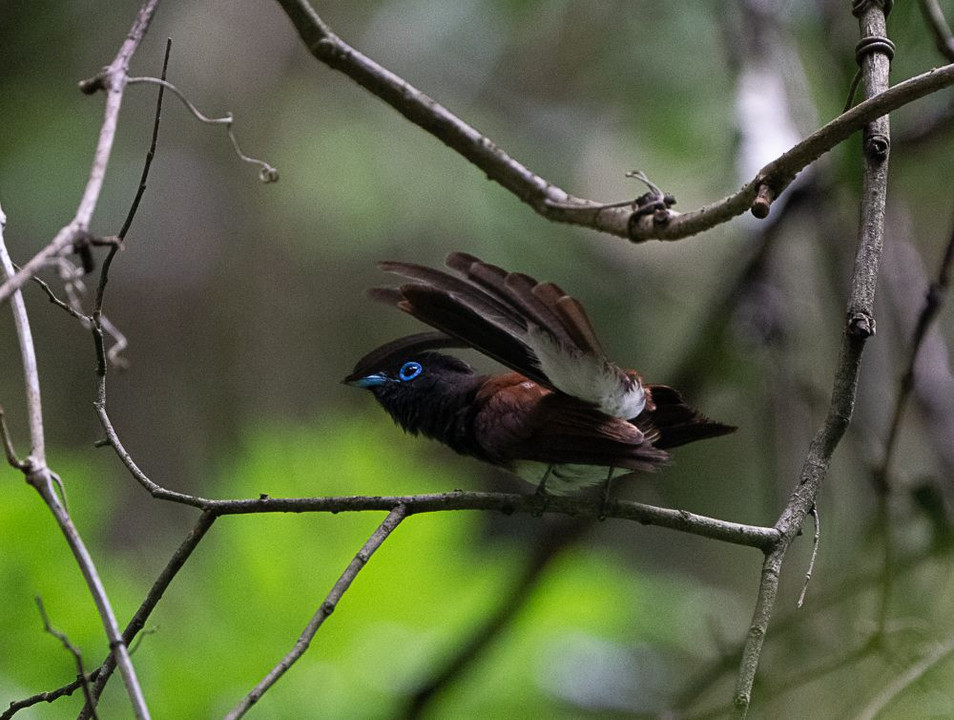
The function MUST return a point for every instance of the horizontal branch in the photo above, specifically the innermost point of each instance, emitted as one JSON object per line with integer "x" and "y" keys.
{"x": 557, "y": 204}
{"x": 737, "y": 533}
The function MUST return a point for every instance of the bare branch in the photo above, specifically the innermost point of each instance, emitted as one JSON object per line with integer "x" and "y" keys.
{"x": 555, "y": 203}
{"x": 858, "y": 328}
{"x": 736, "y": 533}
{"x": 8, "y": 450}
{"x": 85, "y": 319}
{"x": 150, "y": 155}
{"x": 906, "y": 680}
{"x": 101, "y": 675}
{"x": 811, "y": 563}
{"x": 682, "y": 520}
{"x": 267, "y": 173}
{"x": 73, "y": 650}
{"x": 159, "y": 587}
{"x": 112, "y": 79}
{"x": 381, "y": 534}
{"x": 41, "y": 477}
{"x": 47, "y": 697}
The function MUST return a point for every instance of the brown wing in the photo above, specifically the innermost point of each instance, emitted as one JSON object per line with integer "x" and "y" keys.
{"x": 531, "y": 327}
{"x": 523, "y": 421}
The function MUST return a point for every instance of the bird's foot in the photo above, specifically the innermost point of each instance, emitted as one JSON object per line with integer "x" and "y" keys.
{"x": 541, "y": 499}
{"x": 605, "y": 496}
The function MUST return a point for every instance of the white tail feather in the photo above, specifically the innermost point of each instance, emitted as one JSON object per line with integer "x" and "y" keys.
{"x": 588, "y": 377}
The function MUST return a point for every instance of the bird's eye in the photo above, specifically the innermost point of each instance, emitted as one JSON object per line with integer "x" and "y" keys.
{"x": 409, "y": 371}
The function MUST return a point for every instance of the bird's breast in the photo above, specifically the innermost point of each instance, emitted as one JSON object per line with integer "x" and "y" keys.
{"x": 563, "y": 479}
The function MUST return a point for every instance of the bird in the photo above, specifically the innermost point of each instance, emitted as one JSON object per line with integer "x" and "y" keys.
{"x": 564, "y": 417}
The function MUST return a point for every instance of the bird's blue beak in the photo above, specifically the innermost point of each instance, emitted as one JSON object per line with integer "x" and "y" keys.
{"x": 367, "y": 381}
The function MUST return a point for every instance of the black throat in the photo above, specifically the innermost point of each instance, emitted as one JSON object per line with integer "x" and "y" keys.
{"x": 441, "y": 408}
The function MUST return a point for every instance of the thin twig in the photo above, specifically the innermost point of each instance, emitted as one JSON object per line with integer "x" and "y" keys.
{"x": 555, "y": 203}
{"x": 811, "y": 563}
{"x": 31, "y": 376}
{"x": 112, "y": 79}
{"x": 150, "y": 154}
{"x": 8, "y": 450}
{"x": 933, "y": 301}
{"x": 159, "y": 587}
{"x": 267, "y": 173}
{"x": 906, "y": 680}
{"x": 101, "y": 675}
{"x": 50, "y": 696}
{"x": 381, "y": 534}
{"x": 71, "y": 648}
{"x": 858, "y": 328}
{"x": 85, "y": 319}
{"x": 558, "y": 537}
{"x": 41, "y": 478}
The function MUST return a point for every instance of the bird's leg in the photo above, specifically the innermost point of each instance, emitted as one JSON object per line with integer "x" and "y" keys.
{"x": 543, "y": 497}
{"x": 607, "y": 487}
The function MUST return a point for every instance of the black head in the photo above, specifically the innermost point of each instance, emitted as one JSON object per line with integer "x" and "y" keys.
{"x": 424, "y": 391}
{"x": 411, "y": 375}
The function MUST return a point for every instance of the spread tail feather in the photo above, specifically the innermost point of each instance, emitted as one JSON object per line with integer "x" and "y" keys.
{"x": 676, "y": 422}
{"x": 531, "y": 327}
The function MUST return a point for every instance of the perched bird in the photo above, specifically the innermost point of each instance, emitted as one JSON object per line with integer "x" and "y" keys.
{"x": 566, "y": 418}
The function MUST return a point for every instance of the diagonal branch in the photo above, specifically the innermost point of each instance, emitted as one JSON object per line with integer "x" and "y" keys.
{"x": 937, "y": 24}
{"x": 381, "y": 534}
{"x": 932, "y": 305}
{"x": 42, "y": 478}
{"x": 112, "y": 79}
{"x": 70, "y": 647}
{"x": 859, "y": 327}
{"x": 101, "y": 675}
{"x": 159, "y": 587}
{"x": 904, "y": 681}
{"x": 557, "y": 204}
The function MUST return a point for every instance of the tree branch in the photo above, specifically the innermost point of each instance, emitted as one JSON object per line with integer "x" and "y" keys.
{"x": 682, "y": 520}
{"x": 557, "y": 204}
{"x": 41, "y": 477}
{"x": 112, "y": 79}
{"x": 381, "y": 534}
{"x": 138, "y": 621}
{"x": 859, "y": 327}
{"x": 70, "y": 647}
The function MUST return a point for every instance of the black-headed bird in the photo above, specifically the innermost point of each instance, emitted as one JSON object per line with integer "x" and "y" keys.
{"x": 565, "y": 418}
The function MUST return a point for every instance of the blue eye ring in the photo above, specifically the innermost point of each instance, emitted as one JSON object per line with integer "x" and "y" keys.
{"x": 409, "y": 371}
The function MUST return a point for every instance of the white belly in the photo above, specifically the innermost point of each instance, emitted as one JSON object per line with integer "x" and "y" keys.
{"x": 563, "y": 479}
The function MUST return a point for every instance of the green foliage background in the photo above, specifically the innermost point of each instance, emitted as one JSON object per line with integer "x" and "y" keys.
{"x": 243, "y": 305}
